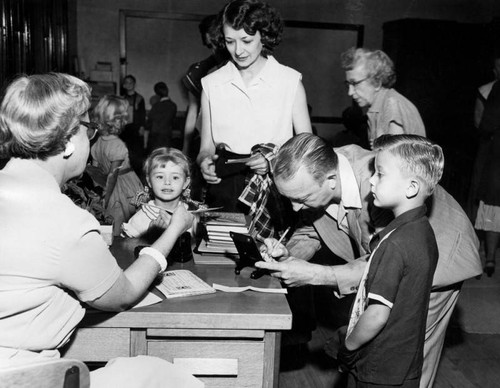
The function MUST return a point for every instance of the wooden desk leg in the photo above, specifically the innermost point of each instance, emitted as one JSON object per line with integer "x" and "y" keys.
{"x": 138, "y": 344}
{"x": 272, "y": 349}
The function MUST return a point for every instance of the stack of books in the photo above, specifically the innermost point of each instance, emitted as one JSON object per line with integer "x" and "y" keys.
{"x": 218, "y": 225}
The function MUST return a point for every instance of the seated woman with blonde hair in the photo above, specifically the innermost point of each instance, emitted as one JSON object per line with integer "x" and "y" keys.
{"x": 52, "y": 257}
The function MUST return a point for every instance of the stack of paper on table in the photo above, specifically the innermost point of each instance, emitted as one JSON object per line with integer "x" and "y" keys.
{"x": 218, "y": 225}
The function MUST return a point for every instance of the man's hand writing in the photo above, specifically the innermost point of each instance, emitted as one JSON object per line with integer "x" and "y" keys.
{"x": 292, "y": 271}
{"x": 273, "y": 253}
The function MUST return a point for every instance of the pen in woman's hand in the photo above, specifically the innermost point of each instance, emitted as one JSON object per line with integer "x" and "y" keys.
{"x": 201, "y": 210}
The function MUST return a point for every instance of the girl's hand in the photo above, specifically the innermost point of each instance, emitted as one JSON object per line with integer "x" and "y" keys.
{"x": 207, "y": 167}
{"x": 258, "y": 164}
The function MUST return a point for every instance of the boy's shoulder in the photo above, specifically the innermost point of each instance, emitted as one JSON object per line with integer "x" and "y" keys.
{"x": 410, "y": 229}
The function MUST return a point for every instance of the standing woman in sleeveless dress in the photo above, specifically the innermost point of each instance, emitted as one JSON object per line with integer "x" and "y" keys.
{"x": 251, "y": 101}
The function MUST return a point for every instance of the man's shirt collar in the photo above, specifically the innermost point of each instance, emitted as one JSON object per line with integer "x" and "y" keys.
{"x": 350, "y": 197}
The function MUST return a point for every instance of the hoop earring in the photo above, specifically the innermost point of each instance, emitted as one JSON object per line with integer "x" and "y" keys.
{"x": 187, "y": 194}
{"x": 141, "y": 197}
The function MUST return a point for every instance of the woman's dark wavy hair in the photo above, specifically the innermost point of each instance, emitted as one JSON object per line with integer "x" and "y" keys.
{"x": 252, "y": 16}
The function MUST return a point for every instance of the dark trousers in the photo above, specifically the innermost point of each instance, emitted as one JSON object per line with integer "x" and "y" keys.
{"x": 232, "y": 183}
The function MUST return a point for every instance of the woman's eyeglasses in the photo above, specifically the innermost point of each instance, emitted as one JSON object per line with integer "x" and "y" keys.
{"x": 92, "y": 128}
{"x": 354, "y": 84}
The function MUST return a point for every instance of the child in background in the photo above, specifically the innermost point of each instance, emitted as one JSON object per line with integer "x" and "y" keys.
{"x": 160, "y": 123}
{"x": 385, "y": 336}
{"x": 133, "y": 132}
{"x": 110, "y": 155}
{"x": 168, "y": 176}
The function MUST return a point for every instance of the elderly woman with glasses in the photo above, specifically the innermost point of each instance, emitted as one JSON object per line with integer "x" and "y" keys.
{"x": 52, "y": 255}
{"x": 370, "y": 77}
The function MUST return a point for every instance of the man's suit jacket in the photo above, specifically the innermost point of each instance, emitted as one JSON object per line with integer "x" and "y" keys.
{"x": 456, "y": 239}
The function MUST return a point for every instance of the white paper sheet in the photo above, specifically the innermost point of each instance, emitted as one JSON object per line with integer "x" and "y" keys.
{"x": 220, "y": 287}
{"x": 148, "y": 299}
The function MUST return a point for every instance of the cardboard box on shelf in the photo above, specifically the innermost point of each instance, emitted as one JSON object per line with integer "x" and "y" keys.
{"x": 101, "y": 76}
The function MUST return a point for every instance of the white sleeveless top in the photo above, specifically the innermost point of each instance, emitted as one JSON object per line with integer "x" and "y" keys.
{"x": 260, "y": 113}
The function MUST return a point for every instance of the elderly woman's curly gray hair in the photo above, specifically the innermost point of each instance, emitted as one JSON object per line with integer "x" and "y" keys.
{"x": 39, "y": 114}
{"x": 379, "y": 67}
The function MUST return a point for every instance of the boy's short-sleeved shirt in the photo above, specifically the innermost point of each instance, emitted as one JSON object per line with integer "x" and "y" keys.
{"x": 400, "y": 277}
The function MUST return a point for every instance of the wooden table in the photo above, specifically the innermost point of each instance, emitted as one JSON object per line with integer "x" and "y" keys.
{"x": 225, "y": 339}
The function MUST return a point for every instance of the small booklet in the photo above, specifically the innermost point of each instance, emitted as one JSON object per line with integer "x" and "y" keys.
{"x": 181, "y": 282}
{"x": 220, "y": 287}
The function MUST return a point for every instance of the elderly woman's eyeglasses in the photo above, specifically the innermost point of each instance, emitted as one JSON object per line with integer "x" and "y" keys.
{"x": 92, "y": 128}
{"x": 354, "y": 84}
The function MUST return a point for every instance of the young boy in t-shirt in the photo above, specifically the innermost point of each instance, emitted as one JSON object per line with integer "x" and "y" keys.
{"x": 385, "y": 336}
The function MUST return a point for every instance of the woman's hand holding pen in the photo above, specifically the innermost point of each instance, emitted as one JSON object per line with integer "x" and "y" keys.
{"x": 179, "y": 216}
{"x": 163, "y": 220}
{"x": 181, "y": 220}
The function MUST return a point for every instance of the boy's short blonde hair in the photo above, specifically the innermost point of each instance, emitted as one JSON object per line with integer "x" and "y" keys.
{"x": 420, "y": 157}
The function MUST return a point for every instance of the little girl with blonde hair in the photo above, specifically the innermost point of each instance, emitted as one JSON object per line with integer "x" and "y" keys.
{"x": 168, "y": 176}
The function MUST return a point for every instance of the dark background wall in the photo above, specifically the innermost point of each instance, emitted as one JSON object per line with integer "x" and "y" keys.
{"x": 442, "y": 51}
{"x": 98, "y": 37}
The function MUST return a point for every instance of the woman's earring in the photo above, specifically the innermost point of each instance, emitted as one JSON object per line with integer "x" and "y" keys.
{"x": 187, "y": 193}
{"x": 141, "y": 197}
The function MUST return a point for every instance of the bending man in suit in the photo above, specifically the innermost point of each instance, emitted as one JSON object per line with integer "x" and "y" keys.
{"x": 333, "y": 185}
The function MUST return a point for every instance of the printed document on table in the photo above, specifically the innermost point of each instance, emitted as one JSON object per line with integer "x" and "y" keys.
{"x": 182, "y": 282}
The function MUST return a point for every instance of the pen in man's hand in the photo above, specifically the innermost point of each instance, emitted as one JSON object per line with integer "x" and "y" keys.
{"x": 280, "y": 240}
